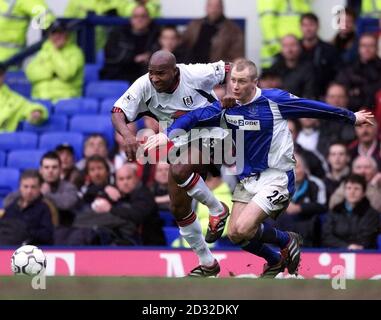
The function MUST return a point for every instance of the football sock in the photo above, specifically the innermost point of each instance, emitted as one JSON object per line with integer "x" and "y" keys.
{"x": 197, "y": 189}
{"x": 269, "y": 234}
{"x": 260, "y": 249}
{"x": 190, "y": 230}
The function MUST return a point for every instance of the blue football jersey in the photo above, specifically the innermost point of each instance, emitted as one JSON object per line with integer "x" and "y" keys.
{"x": 267, "y": 140}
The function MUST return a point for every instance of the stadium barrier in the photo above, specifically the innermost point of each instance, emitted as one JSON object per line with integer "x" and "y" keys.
{"x": 175, "y": 263}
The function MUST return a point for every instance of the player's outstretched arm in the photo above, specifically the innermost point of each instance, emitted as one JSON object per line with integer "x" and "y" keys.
{"x": 129, "y": 140}
{"x": 210, "y": 114}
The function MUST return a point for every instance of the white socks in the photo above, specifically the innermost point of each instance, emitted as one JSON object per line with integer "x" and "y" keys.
{"x": 190, "y": 230}
{"x": 197, "y": 189}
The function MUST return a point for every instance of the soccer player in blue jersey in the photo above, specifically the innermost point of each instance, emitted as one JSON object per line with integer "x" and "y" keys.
{"x": 267, "y": 181}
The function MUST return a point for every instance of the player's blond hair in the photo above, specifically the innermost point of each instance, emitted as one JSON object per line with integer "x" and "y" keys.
{"x": 242, "y": 64}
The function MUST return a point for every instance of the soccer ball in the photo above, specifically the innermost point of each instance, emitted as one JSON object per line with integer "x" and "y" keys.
{"x": 28, "y": 260}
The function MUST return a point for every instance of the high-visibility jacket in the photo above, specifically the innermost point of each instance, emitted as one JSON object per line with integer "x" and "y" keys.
{"x": 371, "y": 8}
{"x": 15, "y": 108}
{"x": 153, "y": 7}
{"x": 56, "y": 74}
{"x": 79, "y": 8}
{"x": 279, "y": 18}
{"x": 15, "y": 16}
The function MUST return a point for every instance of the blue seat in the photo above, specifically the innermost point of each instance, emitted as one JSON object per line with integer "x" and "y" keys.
{"x": 54, "y": 123}
{"x": 18, "y": 140}
{"x": 74, "y": 106}
{"x": 107, "y": 104}
{"x": 25, "y": 159}
{"x": 106, "y": 89}
{"x": 3, "y": 157}
{"x": 46, "y": 103}
{"x": 9, "y": 180}
{"x": 167, "y": 218}
{"x": 171, "y": 234}
{"x": 18, "y": 82}
{"x": 91, "y": 73}
{"x": 94, "y": 124}
{"x": 100, "y": 58}
{"x": 379, "y": 241}
{"x": 51, "y": 140}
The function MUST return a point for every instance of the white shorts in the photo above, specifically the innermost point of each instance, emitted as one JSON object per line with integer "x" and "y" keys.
{"x": 271, "y": 190}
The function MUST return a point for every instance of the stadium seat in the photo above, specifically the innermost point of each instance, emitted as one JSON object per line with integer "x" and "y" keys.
{"x": 9, "y": 180}
{"x": 106, "y": 89}
{"x": 100, "y": 58}
{"x": 94, "y": 124}
{"x": 18, "y": 140}
{"x": 379, "y": 241}
{"x": 91, "y": 73}
{"x": 3, "y": 157}
{"x": 51, "y": 140}
{"x": 171, "y": 234}
{"x": 25, "y": 159}
{"x": 46, "y": 103}
{"x": 107, "y": 104}
{"x": 167, "y": 218}
{"x": 74, "y": 106}
{"x": 18, "y": 82}
{"x": 54, "y": 123}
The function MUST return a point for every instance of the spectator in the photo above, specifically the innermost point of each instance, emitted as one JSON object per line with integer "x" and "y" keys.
{"x": 338, "y": 160}
{"x": 56, "y": 72}
{"x": 337, "y": 96}
{"x": 62, "y": 194}
{"x": 346, "y": 41}
{"x": 277, "y": 19}
{"x": 316, "y": 162}
{"x": 69, "y": 172}
{"x": 307, "y": 204}
{"x": 363, "y": 77}
{"x": 136, "y": 207}
{"x": 323, "y": 56}
{"x": 129, "y": 47}
{"x": 160, "y": 186}
{"x": 15, "y": 108}
{"x": 297, "y": 76}
{"x": 366, "y": 167}
{"x": 269, "y": 79}
{"x": 169, "y": 40}
{"x": 352, "y": 224}
{"x": 214, "y": 37}
{"x": 80, "y": 8}
{"x": 15, "y": 17}
{"x": 95, "y": 144}
{"x": 97, "y": 179}
{"x": 367, "y": 143}
{"x": 29, "y": 218}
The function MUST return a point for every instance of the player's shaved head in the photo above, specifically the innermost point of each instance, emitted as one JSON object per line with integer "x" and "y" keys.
{"x": 163, "y": 58}
{"x": 242, "y": 64}
{"x": 162, "y": 71}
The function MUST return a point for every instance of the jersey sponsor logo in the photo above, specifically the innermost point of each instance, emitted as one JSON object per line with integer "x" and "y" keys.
{"x": 242, "y": 123}
{"x": 188, "y": 101}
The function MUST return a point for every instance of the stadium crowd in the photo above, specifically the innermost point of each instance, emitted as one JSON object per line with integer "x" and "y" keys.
{"x": 89, "y": 194}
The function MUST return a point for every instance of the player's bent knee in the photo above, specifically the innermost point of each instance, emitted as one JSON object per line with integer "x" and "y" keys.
{"x": 181, "y": 172}
{"x": 244, "y": 231}
{"x": 234, "y": 236}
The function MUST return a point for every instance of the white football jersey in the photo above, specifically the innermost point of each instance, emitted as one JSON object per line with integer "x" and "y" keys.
{"x": 195, "y": 90}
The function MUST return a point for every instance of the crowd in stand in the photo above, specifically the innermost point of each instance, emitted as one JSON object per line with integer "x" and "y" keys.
{"x": 103, "y": 200}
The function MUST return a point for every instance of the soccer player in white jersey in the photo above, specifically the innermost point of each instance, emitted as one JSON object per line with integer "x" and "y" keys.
{"x": 267, "y": 181}
{"x": 165, "y": 92}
